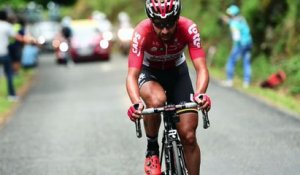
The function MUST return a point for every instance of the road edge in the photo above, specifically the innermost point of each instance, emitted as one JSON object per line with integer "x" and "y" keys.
{"x": 22, "y": 92}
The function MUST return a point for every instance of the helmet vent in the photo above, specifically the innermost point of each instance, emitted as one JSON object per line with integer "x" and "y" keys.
{"x": 163, "y": 8}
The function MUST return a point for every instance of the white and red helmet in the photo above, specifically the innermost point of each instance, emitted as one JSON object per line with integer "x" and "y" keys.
{"x": 163, "y": 9}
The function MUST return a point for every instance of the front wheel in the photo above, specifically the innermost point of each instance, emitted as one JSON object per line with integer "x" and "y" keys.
{"x": 177, "y": 166}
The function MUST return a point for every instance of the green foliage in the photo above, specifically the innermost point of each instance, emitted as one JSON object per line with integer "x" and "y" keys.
{"x": 291, "y": 67}
{"x": 260, "y": 68}
{"x": 222, "y": 52}
{"x": 12, "y": 3}
{"x": 18, "y": 4}
{"x": 249, "y": 8}
{"x": 208, "y": 27}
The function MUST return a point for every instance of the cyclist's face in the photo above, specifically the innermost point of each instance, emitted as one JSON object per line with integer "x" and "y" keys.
{"x": 165, "y": 29}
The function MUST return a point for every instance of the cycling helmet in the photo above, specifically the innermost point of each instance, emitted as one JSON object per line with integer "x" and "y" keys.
{"x": 163, "y": 9}
{"x": 233, "y": 10}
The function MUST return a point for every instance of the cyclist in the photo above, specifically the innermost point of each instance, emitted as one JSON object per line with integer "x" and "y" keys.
{"x": 158, "y": 73}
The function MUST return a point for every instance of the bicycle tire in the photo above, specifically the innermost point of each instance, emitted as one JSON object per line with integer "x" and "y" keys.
{"x": 177, "y": 165}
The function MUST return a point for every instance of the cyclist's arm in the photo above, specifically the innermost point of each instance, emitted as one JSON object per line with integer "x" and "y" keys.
{"x": 135, "y": 61}
{"x": 198, "y": 58}
{"x": 202, "y": 74}
{"x": 132, "y": 84}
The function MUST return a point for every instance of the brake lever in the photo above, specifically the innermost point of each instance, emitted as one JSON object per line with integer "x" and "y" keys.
{"x": 138, "y": 128}
{"x": 206, "y": 123}
{"x": 137, "y": 124}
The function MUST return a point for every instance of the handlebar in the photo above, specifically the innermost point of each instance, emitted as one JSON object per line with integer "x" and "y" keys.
{"x": 149, "y": 111}
{"x": 168, "y": 108}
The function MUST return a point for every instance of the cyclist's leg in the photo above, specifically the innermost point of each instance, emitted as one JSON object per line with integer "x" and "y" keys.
{"x": 187, "y": 132}
{"x": 154, "y": 96}
{"x": 188, "y": 120}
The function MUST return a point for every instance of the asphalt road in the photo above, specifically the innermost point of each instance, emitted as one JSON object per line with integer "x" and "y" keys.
{"x": 73, "y": 122}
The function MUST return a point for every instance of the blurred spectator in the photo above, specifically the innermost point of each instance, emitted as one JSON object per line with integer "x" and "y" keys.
{"x": 30, "y": 54}
{"x": 15, "y": 47}
{"x": 66, "y": 34}
{"x": 242, "y": 45}
{"x": 7, "y": 32}
{"x": 66, "y": 31}
{"x": 30, "y": 51}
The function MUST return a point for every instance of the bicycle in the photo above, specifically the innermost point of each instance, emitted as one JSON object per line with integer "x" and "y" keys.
{"x": 172, "y": 149}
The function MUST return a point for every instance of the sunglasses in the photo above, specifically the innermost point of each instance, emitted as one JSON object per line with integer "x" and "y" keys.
{"x": 164, "y": 24}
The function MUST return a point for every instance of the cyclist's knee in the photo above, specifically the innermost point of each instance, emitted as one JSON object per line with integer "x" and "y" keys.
{"x": 156, "y": 101}
{"x": 189, "y": 138}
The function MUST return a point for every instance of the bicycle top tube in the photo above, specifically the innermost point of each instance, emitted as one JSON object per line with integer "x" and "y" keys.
{"x": 169, "y": 108}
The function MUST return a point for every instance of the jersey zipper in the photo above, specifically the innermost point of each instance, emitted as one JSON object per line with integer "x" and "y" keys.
{"x": 166, "y": 53}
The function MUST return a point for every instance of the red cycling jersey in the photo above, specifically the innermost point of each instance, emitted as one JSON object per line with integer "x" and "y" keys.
{"x": 149, "y": 50}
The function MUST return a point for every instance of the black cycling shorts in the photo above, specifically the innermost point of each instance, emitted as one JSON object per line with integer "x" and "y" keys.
{"x": 15, "y": 53}
{"x": 176, "y": 82}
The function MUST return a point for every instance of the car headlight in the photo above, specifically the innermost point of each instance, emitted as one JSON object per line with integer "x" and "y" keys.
{"x": 63, "y": 47}
{"x": 108, "y": 35}
{"x": 104, "y": 44}
{"x": 125, "y": 34}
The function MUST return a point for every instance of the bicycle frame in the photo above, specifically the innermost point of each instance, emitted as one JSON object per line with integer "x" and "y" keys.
{"x": 172, "y": 149}
{"x": 171, "y": 146}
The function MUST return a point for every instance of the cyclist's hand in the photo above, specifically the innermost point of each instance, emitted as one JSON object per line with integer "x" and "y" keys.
{"x": 134, "y": 111}
{"x": 29, "y": 40}
{"x": 203, "y": 100}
